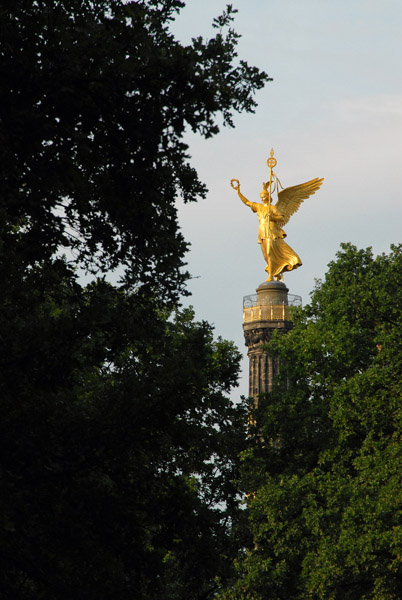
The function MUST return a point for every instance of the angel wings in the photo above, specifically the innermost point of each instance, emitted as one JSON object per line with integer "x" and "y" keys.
{"x": 290, "y": 198}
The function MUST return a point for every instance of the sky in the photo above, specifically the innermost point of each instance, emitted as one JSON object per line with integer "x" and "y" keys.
{"x": 333, "y": 110}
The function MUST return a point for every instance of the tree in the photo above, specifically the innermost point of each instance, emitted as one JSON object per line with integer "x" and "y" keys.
{"x": 97, "y": 99}
{"x": 326, "y": 507}
{"x": 118, "y": 440}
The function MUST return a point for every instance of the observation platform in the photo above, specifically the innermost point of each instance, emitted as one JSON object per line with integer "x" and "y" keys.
{"x": 269, "y": 306}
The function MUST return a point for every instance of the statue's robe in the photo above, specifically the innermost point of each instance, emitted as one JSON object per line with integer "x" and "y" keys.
{"x": 278, "y": 254}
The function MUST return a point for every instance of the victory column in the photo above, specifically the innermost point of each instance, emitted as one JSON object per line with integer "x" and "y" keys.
{"x": 268, "y": 310}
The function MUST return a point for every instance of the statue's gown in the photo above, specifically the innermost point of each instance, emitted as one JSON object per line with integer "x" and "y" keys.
{"x": 278, "y": 253}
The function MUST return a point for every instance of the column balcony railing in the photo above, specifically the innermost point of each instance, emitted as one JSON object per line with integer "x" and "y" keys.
{"x": 252, "y": 311}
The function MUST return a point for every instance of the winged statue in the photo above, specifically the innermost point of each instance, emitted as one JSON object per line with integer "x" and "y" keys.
{"x": 279, "y": 256}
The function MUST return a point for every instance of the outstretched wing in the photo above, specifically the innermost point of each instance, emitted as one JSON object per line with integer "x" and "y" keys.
{"x": 290, "y": 198}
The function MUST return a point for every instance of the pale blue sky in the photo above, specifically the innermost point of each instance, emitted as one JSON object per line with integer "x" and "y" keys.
{"x": 334, "y": 110}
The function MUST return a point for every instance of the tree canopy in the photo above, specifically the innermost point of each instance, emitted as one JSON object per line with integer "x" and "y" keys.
{"x": 118, "y": 440}
{"x": 324, "y": 476}
{"x": 97, "y": 98}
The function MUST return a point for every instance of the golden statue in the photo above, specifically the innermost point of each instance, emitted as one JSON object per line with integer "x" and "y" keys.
{"x": 272, "y": 217}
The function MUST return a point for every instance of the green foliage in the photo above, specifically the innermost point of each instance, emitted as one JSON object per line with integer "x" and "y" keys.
{"x": 326, "y": 476}
{"x": 118, "y": 442}
{"x": 105, "y": 424}
{"x": 96, "y": 99}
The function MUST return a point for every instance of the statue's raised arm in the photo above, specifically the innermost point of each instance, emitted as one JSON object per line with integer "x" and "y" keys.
{"x": 272, "y": 217}
{"x": 235, "y": 183}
